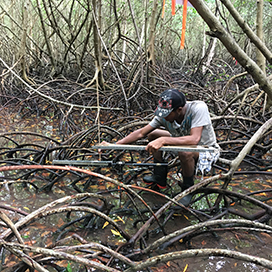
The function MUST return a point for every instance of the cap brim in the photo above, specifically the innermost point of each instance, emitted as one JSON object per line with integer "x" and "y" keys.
{"x": 161, "y": 112}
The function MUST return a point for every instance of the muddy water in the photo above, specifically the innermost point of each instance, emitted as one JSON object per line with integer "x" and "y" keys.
{"x": 46, "y": 231}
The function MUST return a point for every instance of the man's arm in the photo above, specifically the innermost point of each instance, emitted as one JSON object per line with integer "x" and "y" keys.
{"x": 136, "y": 135}
{"x": 192, "y": 139}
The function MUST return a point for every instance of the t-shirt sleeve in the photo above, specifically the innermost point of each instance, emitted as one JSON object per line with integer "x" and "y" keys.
{"x": 156, "y": 122}
{"x": 200, "y": 116}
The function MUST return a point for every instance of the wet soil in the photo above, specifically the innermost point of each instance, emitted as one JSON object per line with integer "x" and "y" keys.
{"x": 45, "y": 232}
{"x": 253, "y": 243}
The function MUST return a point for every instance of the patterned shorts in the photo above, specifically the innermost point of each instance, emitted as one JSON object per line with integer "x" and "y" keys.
{"x": 206, "y": 160}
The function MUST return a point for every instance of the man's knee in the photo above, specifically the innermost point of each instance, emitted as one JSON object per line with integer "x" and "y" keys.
{"x": 151, "y": 136}
{"x": 157, "y": 133}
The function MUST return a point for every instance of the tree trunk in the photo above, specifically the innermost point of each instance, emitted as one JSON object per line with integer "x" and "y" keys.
{"x": 152, "y": 34}
{"x": 98, "y": 78}
{"x": 47, "y": 42}
{"x": 260, "y": 59}
{"x": 217, "y": 30}
{"x": 22, "y": 53}
{"x": 247, "y": 30}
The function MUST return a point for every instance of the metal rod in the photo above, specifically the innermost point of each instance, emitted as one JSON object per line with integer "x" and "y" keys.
{"x": 186, "y": 148}
{"x": 103, "y": 163}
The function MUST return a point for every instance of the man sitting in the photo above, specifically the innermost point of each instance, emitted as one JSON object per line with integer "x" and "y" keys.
{"x": 184, "y": 123}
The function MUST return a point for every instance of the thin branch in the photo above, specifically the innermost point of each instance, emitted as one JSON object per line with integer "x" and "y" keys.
{"x": 52, "y": 99}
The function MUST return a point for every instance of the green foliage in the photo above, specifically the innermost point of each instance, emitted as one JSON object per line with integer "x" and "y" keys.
{"x": 69, "y": 268}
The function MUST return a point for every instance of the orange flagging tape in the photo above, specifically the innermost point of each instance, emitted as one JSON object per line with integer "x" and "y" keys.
{"x": 182, "y": 42}
{"x": 173, "y": 7}
{"x": 163, "y": 8}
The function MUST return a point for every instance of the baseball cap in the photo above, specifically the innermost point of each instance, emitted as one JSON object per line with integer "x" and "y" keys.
{"x": 169, "y": 100}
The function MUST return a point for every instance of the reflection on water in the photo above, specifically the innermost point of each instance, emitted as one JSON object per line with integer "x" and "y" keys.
{"x": 222, "y": 264}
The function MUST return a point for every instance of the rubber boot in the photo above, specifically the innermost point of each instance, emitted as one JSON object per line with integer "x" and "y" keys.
{"x": 158, "y": 177}
{"x": 187, "y": 183}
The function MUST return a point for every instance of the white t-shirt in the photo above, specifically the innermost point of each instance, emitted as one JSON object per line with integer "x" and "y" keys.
{"x": 197, "y": 115}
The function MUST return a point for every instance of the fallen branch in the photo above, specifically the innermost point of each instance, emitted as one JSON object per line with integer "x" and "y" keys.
{"x": 200, "y": 253}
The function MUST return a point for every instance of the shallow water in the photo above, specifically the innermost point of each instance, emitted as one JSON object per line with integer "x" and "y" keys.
{"x": 46, "y": 231}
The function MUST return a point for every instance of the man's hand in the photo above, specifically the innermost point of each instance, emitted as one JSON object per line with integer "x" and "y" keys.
{"x": 103, "y": 143}
{"x": 155, "y": 145}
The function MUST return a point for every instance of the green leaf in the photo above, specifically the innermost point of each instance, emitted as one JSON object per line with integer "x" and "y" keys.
{"x": 68, "y": 268}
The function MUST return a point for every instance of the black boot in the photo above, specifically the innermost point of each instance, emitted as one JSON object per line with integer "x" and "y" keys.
{"x": 187, "y": 183}
{"x": 159, "y": 176}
